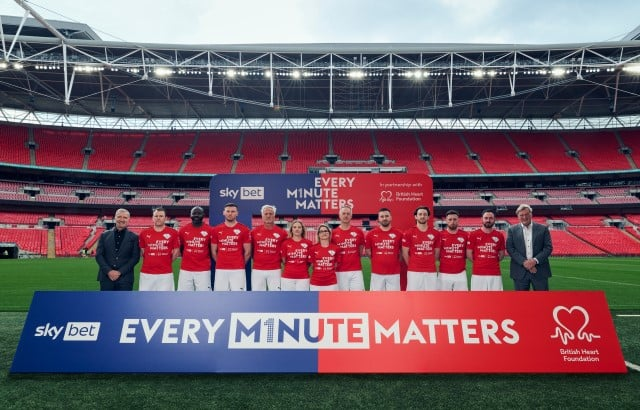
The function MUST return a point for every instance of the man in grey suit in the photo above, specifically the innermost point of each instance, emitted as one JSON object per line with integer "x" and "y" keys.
{"x": 529, "y": 245}
{"x": 117, "y": 254}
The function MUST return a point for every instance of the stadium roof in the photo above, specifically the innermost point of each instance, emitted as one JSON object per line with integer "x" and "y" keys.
{"x": 66, "y": 69}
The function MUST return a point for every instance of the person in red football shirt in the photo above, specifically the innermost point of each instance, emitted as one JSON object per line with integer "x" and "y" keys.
{"x": 383, "y": 245}
{"x": 324, "y": 256}
{"x": 420, "y": 250}
{"x": 350, "y": 240}
{"x": 453, "y": 255}
{"x": 295, "y": 256}
{"x": 195, "y": 245}
{"x": 231, "y": 249}
{"x": 266, "y": 241}
{"x": 159, "y": 247}
{"x": 485, "y": 248}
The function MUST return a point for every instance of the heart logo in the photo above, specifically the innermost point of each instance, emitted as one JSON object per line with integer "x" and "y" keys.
{"x": 570, "y": 319}
{"x": 385, "y": 196}
{"x": 204, "y": 233}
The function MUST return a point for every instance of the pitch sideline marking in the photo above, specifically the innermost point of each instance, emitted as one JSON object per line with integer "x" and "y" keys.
{"x": 632, "y": 366}
{"x": 628, "y": 315}
{"x": 598, "y": 280}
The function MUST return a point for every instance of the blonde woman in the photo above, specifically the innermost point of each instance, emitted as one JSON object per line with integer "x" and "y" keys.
{"x": 295, "y": 256}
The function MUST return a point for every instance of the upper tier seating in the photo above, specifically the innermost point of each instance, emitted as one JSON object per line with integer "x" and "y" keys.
{"x": 496, "y": 154}
{"x": 14, "y": 147}
{"x": 163, "y": 152}
{"x": 60, "y": 148}
{"x": 261, "y": 152}
{"x": 598, "y": 151}
{"x": 114, "y": 151}
{"x": 213, "y": 153}
{"x": 545, "y": 151}
{"x": 305, "y": 150}
{"x": 401, "y": 149}
{"x": 448, "y": 153}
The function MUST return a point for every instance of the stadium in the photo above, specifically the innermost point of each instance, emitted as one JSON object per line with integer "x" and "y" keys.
{"x": 89, "y": 126}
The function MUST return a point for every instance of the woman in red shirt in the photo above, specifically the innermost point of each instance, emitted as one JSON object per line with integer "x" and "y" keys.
{"x": 324, "y": 257}
{"x": 295, "y": 256}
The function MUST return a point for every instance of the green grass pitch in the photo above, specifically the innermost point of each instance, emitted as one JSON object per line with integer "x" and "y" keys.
{"x": 619, "y": 278}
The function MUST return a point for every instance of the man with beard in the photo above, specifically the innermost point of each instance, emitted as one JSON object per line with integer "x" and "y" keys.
{"x": 453, "y": 255}
{"x": 231, "y": 249}
{"x": 195, "y": 244}
{"x": 420, "y": 250}
{"x": 266, "y": 241}
{"x": 485, "y": 248}
{"x": 350, "y": 240}
{"x": 383, "y": 245}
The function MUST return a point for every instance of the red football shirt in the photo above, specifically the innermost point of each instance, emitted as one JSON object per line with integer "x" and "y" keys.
{"x": 453, "y": 251}
{"x": 422, "y": 246}
{"x": 485, "y": 248}
{"x": 349, "y": 241}
{"x": 196, "y": 247}
{"x": 158, "y": 250}
{"x": 323, "y": 262}
{"x": 296, "y": 258}
{"x": 230, "y": 242}
{"x": 385, "y": 249}
{"x": 266, "y": 247}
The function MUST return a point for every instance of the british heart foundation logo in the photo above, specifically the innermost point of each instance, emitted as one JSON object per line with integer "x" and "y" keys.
{"x": 386, "y": 196}
{"x": 572, "y": 324}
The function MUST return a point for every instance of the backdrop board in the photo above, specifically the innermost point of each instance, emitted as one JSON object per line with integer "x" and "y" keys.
{"x": 319, "y": 332}
{"x": 300, "y": 195}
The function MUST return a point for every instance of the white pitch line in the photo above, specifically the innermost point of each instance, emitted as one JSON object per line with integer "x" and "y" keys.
{"x": 632, "y": 366}
{"x": 597, "y": 280}
{"x": 628, "y": 315}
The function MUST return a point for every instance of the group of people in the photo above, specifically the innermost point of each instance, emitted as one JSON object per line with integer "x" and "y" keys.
{"x": 287, "y": 260}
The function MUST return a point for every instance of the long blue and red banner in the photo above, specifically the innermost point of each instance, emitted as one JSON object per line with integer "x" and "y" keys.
{"x": 325, "y": 332}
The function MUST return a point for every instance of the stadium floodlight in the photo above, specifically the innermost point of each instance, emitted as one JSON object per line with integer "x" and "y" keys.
{"x": 231, "y": 73}
{"x": 267, "y": 74}
{"x": 296, "y": 74}
{"x": 356, "y": 74}
{"x": 18, "y": 66}
{"x": 162, "y": 71}
{"x": 632, "y": 68}
{"x": 477, "y": 73}
{"x": 3, "y": 65}
{"x": 558, "y": 72}
{"x": 87, "y": 68}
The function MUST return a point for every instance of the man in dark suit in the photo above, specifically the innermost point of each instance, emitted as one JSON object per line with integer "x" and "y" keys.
{"x": 117, "y": 254}
{"x": 529, "y": 245}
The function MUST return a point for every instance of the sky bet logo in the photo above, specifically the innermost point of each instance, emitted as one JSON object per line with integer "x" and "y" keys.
{"x": 73, "y": 331}
{"x": 245, "y": 192}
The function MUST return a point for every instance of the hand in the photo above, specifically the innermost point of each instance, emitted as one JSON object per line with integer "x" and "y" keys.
{"x": 530, "y": 265}
{"x": 114, "y": 275}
